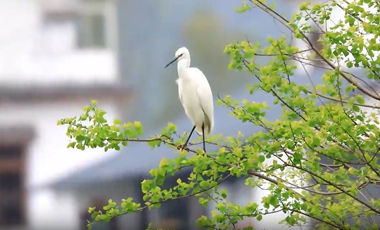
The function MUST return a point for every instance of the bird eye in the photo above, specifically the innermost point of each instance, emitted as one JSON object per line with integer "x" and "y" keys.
{"x": 180, "y": 55}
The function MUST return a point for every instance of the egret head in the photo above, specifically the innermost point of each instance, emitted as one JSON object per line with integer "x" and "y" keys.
{"x": 181, "y": 53}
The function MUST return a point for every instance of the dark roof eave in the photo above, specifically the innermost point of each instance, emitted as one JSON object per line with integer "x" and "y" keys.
{"x": 118, "y": 92}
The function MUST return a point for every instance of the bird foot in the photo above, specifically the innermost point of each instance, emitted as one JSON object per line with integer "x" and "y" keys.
{"x": 182, "y": 147}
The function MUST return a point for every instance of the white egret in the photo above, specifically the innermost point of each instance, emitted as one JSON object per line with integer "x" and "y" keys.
{"x": 195, "y": 95}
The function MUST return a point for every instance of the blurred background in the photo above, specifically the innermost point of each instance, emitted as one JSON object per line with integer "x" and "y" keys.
{"x": 58, "y": 55}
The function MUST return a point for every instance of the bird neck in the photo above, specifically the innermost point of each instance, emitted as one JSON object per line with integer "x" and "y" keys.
{"x": 183, "y": 64}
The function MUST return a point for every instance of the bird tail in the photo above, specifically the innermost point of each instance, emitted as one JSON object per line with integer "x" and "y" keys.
{"x": 198, "y": 129}
{"x": 208, "y": 125}
{"x": 208, "y": 128}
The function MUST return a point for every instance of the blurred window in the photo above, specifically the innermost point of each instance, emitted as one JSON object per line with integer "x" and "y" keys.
{"x": 10, "y": 152}
{"x": 92, "y": 24}
{"x": 85, "y": 216}
{"x": 237, "y": 193}
{"x": 175, "y": 214}
{"x": 80, "y": 24}
{"x": 12, "y": 210}
{"x": 91, "y": 31}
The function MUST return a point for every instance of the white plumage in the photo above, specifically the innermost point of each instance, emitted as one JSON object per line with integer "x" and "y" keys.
{"x": 194, "y": 93}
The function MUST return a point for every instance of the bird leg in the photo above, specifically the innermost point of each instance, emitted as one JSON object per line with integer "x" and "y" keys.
{"x": 182, "y": 147}
{"x": 203, "y": 134}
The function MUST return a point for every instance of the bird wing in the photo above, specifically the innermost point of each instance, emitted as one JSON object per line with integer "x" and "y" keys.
{"x": 179, "y": 90}
{"x": 206, "y": 101}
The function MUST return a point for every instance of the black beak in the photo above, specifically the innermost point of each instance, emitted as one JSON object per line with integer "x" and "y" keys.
{"x": 175, "y": 59}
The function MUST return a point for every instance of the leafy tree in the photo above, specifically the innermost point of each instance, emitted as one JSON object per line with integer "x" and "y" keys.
{"x": 317, "y": 159}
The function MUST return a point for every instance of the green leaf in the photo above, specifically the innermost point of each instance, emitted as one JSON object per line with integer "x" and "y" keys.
{"x": 117, "y": 122}
{"x": 261, "y": 159}
{"x": 164, "y": 162}
{"x": 71, "y": 145}
{"x": 360, "y": 100}
{"x": 224, "y": 193}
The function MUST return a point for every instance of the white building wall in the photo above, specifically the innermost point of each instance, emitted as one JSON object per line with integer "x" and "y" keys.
{"x": 48, "y": 157}
{"x": 48, "y": 210}
{"x": 33, "y": 52}
{"x": 78, "y": 201}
